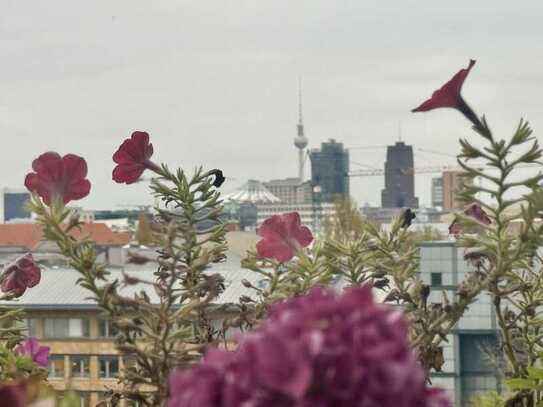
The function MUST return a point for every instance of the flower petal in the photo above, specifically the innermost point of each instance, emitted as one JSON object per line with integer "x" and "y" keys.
{"x": 127, "y": 173}
{"x": 274, "y": 249}
{"x": 448, "y": 95}
{"x": 74, "y": 166}
{"x": 48, "y": 165}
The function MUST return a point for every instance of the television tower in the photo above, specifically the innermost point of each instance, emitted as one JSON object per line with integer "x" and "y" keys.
{"x": 300, "y": 141}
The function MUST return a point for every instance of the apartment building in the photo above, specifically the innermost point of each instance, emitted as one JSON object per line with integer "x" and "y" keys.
{"x": 83, "y": 357}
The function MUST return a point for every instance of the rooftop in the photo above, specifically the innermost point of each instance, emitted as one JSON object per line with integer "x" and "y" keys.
{"x": 58, "y": 288}
{"x": 252, "y": 191}
{"x": 30, "y": 234}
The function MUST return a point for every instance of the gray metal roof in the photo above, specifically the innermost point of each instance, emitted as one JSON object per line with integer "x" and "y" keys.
{"x": 252, "y": 191}
{"x": 58, "y": 288}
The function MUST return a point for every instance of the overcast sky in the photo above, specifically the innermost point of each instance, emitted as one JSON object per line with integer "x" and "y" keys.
{"x": 215, "y": 82}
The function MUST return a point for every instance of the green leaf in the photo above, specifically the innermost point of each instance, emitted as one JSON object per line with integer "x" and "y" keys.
{"x": 24, "y": 363}
{"x": 535, "y": 372}
{"x": 521, "y": 384}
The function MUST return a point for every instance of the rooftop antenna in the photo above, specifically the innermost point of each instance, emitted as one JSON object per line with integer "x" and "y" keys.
{"x": 399, "y": 131}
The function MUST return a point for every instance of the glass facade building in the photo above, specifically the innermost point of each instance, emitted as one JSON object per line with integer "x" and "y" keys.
{"x": 14, "y": 203}
{"x": 330, "y": 171}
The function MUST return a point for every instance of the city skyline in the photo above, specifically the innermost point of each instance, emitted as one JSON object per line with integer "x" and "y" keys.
{"x": 216, "y": 84}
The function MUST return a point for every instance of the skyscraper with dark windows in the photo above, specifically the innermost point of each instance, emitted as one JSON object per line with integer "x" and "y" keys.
{"x": 399, "y": 189}
{"x": 330, "y": 171}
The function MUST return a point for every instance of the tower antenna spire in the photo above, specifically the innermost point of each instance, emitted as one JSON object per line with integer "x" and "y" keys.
{"x": 300, "y": 101}
{"x": 300, "y": 141}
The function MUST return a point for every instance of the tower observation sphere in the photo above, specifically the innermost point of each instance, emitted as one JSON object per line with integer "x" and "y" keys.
{"x": 300, "y": 141}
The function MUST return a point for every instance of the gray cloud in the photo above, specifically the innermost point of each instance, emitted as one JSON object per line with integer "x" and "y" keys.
{"x": 214, "y": 82}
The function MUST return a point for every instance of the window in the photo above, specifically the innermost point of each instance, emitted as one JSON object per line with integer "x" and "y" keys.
{"x": 31, "y": 324}
{"x": 56, "y": 366}
{"x": 436, "y": 279}
{"x": 109, "y": 366}
{"x": 479, "y": 354}
{"x": 66, "y": 328}
{"x": 79, "y": 366}
{"x": 106, "y": 328}
{"x": 129, "y": 361}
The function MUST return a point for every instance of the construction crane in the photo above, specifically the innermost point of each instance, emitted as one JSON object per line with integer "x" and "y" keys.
{"x": 377, "y": 172}
{"x": 429, "y": 169}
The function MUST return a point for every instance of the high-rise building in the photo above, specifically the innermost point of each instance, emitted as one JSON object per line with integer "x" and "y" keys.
{"x": 399, "y": 189}
{"x": 14, "y": 202}
{"x": 330, "y": 171}
{"x": 437, "y": 192}
{"x": 452, "y": 183}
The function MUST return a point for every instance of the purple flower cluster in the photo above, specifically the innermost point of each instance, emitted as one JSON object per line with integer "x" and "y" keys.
{"x": 318, "y": 350}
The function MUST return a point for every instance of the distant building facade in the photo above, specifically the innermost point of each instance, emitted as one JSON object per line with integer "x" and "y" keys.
{"x": 290, "y": 190}
{"x": 399, "y": 189}
{"x": 452, "y": 183}
{"x": 83, "y": 356}
{"x": 381, "y": 216}
{"x": 330, "y": 171}
{"x": 16, "y": 239}
{"x": 472, "y": 346}
{"x": 14, "y": 204}
{"x": 312, "y": 215}
{"x": 437, "y": 192}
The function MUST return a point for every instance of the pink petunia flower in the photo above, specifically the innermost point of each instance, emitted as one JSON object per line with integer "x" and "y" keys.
{"x": 23, "y": 273}
{"x": 133, "y": 158}
{"x": 449, "y": 95}
{"x": 57, "y": 177}
{"x": 282, "y": 236}
{"x": 31, "y": 347}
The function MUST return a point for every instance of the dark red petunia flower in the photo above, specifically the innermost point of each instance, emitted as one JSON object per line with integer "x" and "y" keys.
{"x": 23, "y": 273}
{"x": 57, "y": 177}
{"x": 282, "y": 236}
{"x": 13, "y": 394}
{"x": 449, "y": 96}
{"x": 474, "y": 211}
{"x": 132, "y": 158}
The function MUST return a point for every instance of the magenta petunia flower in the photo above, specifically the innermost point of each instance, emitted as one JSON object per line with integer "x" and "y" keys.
{"x": 57, "y": 177}
{"x": 23, "y": 273}
{"x": 133, "y": 158}
{"x": 320, "y": 349}
{"x": 475, "y": 211}
{"x": 38, "y": 354}
{"x": 449, "y": 95}
{"x": 282, "y": 236}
